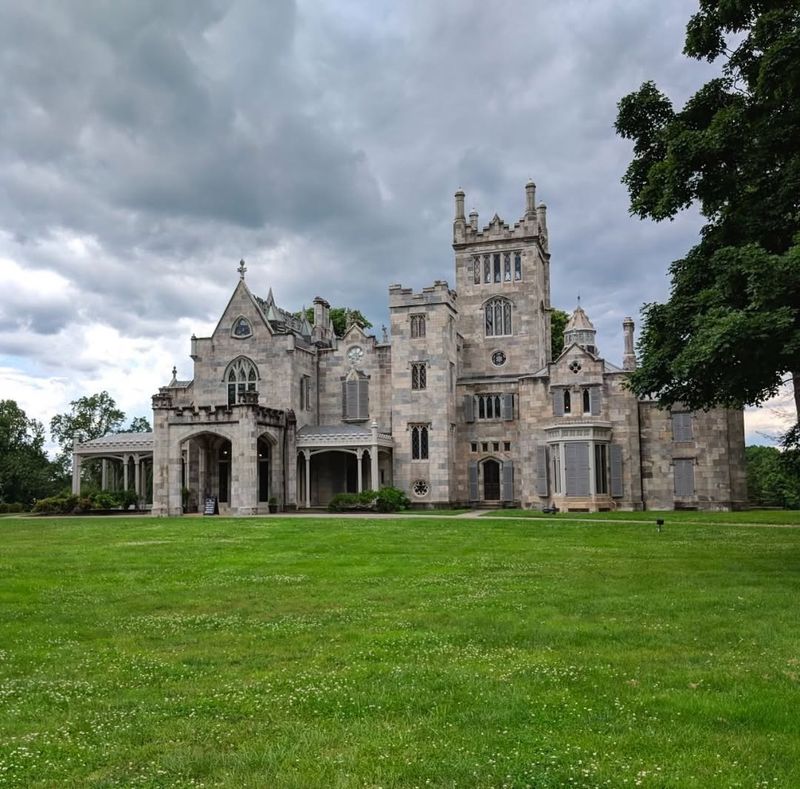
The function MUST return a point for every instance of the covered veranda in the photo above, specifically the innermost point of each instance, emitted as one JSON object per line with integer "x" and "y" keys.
{"x": 341, "y": 459}
{"x": 126, "y": 463}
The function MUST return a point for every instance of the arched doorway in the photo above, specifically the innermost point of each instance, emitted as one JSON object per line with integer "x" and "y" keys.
{"x": 491, "y": 480}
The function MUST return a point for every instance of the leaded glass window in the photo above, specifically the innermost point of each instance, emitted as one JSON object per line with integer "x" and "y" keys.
{"x": 476, "y": 265}
{"x": 241, "y": 376}
{"x": 507, "y": 267}
{"x": 419, "y": 442}
{"x": 487, "y": 269}
{"x": 417, "y": 326}
{"x": 418, "y": 375}
{"x": 498, "y": 317}
{"x": 497, "y": 267}
{"x": 517, "y": 266}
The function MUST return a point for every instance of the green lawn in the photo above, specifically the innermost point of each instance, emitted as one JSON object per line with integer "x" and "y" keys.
{"x": 766, "y": 517}
{"x": 397, "y": 653}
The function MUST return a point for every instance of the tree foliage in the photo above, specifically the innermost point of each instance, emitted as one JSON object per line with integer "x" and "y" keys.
{"x": 90, "y": 417}
{"x": 558, "y": 322}
{"x": 730, "y": 332}
{"x": 341, "y": 319}
{"x": 772, "y": 481}
{"x": 26, "y": 473}
{"x": 139, "y": 424}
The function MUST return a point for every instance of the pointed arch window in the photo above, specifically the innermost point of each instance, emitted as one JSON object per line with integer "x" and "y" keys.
{"x": 241, "y": 376}
{"x": 498, "y": 317}
{"x": 567, "y": 402}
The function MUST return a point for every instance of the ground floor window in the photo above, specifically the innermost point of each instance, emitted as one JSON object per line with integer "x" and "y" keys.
{"x": 580, "y": 468}
{"x": 419, "y": 442}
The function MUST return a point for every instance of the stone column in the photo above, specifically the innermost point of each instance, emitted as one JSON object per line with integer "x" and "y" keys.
{"x": 175, "y": 466}
{"x": 103, "y": 474}
{"x": 125, "y": 459}
{"x": 307, "y": 455}
{"x": 137, "y": 475}
{"x": 161, "y": 475}
{"x": 374, "y": 480}
{"x": 202, "y": 473}
{"x": 244, "y": 464}
{"x": 359, "y": 455}
{"x": 76, "y": 472}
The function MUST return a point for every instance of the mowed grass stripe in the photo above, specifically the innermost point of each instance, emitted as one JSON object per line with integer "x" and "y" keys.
{"x": 425, "y": 651}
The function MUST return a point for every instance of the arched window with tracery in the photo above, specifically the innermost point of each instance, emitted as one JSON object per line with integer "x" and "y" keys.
{"x": 498, "y": 317}
{"x": 241, "y": 376}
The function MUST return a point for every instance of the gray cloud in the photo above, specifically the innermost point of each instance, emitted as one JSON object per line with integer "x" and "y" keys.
{"x": 321, "y": 141}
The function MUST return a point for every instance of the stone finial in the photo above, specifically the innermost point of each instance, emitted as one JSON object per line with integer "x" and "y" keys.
{"x": 242, "y": 268}
{"x": 384, "y": 334}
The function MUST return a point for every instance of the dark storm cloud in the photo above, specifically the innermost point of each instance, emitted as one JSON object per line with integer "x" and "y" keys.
{"x": 323, "y": 142}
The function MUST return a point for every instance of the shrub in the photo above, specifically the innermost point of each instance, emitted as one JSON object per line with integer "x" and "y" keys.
{"x": 14, "y": 506}
{"x": 383, "y": 500}
{"x": 344, "y": 502}
{"x": 56, "y": 505}
{"x": 391, "y": 500}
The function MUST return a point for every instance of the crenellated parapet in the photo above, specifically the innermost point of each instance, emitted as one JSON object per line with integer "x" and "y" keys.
{"x": 438, "y": 293}
{"x": 532, "y": 226}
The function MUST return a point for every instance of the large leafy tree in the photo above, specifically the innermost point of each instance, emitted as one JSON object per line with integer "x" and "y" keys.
{"x": 730, "y": 332}
{"x": 26, "y": 473}
{"x": 558, "y": 322}
{"x": 89, "y": 417}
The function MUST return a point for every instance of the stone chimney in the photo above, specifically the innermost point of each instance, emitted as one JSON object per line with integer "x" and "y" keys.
{"x": 629, "y": 356}
{"x": 460, "y": 222}
{"x": 530, "y": 200}
{"x": 321, "y": 319}
{"x": 473, "y": 219}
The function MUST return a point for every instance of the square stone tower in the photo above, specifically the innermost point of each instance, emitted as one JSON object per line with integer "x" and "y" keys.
{"x": 503, "y": 285}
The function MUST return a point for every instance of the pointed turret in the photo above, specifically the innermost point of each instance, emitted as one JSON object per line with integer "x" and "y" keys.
{"x": 579, "y": 329}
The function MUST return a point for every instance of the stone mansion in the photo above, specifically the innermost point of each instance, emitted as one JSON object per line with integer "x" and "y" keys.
{"x": 461, "y": 404}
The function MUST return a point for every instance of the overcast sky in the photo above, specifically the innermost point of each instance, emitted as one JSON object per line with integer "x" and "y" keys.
{"x": 146, "y": 146}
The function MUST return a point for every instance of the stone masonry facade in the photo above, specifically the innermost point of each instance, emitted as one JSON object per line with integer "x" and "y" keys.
{"x": 459, "y": 404}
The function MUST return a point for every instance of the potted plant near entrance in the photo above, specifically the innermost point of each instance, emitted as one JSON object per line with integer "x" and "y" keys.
{"x": 272, "y": 502}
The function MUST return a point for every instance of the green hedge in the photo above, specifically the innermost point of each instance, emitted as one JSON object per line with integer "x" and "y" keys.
{"x": 383, "y": 500}
{"x": 14, "y": 506}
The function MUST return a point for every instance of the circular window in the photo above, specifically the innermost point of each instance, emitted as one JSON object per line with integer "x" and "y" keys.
{"x": 355, "y": 354}
{"x": 575, "y": 366}
{"x": 420, "y": 488}
{"x": 498, "y": 358}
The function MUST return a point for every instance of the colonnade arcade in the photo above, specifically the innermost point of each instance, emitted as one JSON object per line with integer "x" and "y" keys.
{"x": 125, "y": 463}
{"x": 212, "y": 467}
{"x": 341, "y": 459}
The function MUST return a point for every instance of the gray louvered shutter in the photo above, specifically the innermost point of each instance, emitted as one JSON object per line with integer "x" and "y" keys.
{"x": 558, "y": 402}
{"x": 469, "y": 408}
{"x": 595, "y": 400}
{"x": 344, "y": 399}
{"x": 681, "y": 426}
{"x": 615, "y": 457}
{"x": 507, "y": 408}
{"x": 473, "y": 480}
{"x": 352, "y": 399}
{"x": 576, "y": 461}
{"x": 684, "y": 478}
{"x": 541, "y": 470}
{"x": 363, "y": 398}
{"x": 507, "y": 481}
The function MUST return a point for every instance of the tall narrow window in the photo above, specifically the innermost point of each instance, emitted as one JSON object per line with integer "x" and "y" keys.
{"x": 567, "y": 402}
{"x": 419, "y": 442}
{"x": 305, "y": 393}
{"x": 417, "y": 326}
{"x": 418, "y": 375}
{"x": 587, "y": 402}
{"x": 487, "y": 269}
{"x": 497, "y": 267}
{"x": 556, "y": 455}
{"x": 517, "y": 266}
{"x": 507, "y": 267}
{"x": 498, "y": 317}
{"x": 241, "y": 376}
{"x": 476, "y": 265}
{"x": 600, "y": 468}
